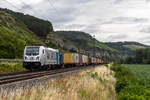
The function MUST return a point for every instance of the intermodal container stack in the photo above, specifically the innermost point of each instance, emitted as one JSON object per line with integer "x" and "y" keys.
{"x": 80, "y": 60}
{"x": 89, "y": 60}
{"x": 68, "y": 58}
{"x": 86, "y": 60}
{"x": 76, "y": 58}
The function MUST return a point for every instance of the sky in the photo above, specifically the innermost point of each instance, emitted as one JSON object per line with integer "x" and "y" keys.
{"x": 108, "y": 20}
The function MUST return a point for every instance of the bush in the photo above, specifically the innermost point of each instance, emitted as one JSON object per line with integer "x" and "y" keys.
{"x": 128, "y": 86}
{"x": 121, "y": 84}
{"x": 7, "y": 67}
{"x": 134, "y": 92}
{"x": 106, "y": 65}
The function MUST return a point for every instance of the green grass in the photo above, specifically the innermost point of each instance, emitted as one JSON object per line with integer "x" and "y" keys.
{"x": 128, "y": 85}
{"x": 142, "y": 72}
{"x": 6, "y": 67}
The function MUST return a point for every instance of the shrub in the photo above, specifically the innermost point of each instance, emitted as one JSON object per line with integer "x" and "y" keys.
{"x": 128, "y": 86}
{"x": 6, "y": 67}
{"x": 106, "y": 65}
{"x": 121, "y": 84}
{"x": 124, "y": 77}
{"x": 134, "y": 92}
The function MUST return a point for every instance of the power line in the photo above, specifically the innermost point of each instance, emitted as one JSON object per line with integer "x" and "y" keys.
{"x": 51, "y": 4}
{"x": 13, "y": 5}
{"x": 20, "y": 9}
{"x": 34, "y": 11}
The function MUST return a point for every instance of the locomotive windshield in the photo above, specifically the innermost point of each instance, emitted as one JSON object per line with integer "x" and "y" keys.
{"x": 32, "y": 51}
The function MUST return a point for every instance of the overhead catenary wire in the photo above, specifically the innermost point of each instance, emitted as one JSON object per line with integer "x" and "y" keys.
{"x": 34, "y": 11}
{"x": 22, "y": 10}
{"x": 52, "y": 5}
{"x": 15, "y": 55}
{"x": 12, "y": 5}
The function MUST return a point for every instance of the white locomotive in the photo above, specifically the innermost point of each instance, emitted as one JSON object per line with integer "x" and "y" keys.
{"x": 40, "y": 57}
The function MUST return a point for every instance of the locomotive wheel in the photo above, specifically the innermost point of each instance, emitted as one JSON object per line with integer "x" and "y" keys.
{"x": 62, "y": 66}
{"x": 31, "y": 69}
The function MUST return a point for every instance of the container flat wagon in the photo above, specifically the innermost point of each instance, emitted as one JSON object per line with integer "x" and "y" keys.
{"x": 80, "y": 60}
{"x": 76, "y": 58}
{"x": 89, "y": 61}
{"x": 70, "y": 59}
{"x": 40, "y": 57}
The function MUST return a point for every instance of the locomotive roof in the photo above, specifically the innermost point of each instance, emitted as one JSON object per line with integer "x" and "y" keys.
{"x": 56, "y": 50}
{"x": 34, "y": 46}
{"x": 52, "y": 49}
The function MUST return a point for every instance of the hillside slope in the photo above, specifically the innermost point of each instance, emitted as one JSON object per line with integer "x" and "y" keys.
{"x": 83, "y": 40}
{"x": 18, "y": 30}
{"x": 126, "y": 47}
{"x": 14, "y": 35}
{"x": 38, "y": 26}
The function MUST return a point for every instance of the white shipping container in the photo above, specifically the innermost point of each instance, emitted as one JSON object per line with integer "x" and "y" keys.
{"x": 76, "y": 58}
{"x": 92, "y": 60}
{"x": 84, "y": 58}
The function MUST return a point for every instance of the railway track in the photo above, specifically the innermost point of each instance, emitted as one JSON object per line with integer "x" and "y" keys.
{"x": 7, "y": 79}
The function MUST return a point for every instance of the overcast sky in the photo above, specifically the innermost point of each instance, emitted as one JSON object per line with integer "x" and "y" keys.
{"x": 108, "y": 20}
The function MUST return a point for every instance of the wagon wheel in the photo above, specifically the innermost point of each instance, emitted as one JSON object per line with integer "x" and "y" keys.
{"x": 62, "y": 66}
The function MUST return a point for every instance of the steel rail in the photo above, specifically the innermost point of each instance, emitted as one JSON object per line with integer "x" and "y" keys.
{"x": 27, "y": 76}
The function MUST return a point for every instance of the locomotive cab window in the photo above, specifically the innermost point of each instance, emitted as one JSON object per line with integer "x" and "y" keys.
{"x": 32, "y": 51}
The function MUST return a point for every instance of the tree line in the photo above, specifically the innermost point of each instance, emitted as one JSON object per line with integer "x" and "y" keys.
{"x": 141, "y": 56}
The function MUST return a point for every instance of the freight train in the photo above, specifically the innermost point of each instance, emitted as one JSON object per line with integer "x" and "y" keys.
{"x": 40, "y": 57}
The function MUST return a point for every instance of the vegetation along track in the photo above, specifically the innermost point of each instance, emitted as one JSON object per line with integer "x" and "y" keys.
{"x": 31, "y": 75}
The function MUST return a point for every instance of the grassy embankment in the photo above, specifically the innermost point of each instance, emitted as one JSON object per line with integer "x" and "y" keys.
{"x": 7, "y": 67}
{"x": 95, "y": 84}
{"x": 128, "y": 85}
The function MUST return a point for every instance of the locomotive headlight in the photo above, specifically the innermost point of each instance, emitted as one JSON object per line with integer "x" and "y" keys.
{"x": 25, "y": 58}
{"x": 37, "y": 58}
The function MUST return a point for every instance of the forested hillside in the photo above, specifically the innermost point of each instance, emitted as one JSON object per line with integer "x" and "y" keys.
{"x": 18, "y": 30}
{"x": 14, "y": 35}
{"x": 34, "y": 31}
{"x": 38, "y": 26}
{"x": 83, "y": 40}
{"x": 126, "y": 47}
{"x": 141, "y": 56}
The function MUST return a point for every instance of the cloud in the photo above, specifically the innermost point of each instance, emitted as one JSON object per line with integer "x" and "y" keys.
{"x": 129, "y": 20}
{"x": 26, "y": 7}
{"x": 145, "y": 30}
{"x": 109, "y": 20}
{"x": 147, "y": 0}
{"x": 117, "y": 37}
{"x": 118, "y": 1}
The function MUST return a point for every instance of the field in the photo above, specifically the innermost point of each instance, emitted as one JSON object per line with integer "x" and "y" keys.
{"x": 142, "y": 72}
{"x": 129, "y": 84}
{"x": 95, "y": 84}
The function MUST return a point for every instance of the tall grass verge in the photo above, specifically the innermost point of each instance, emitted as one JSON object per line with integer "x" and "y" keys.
{"x": 96, "y": 84}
